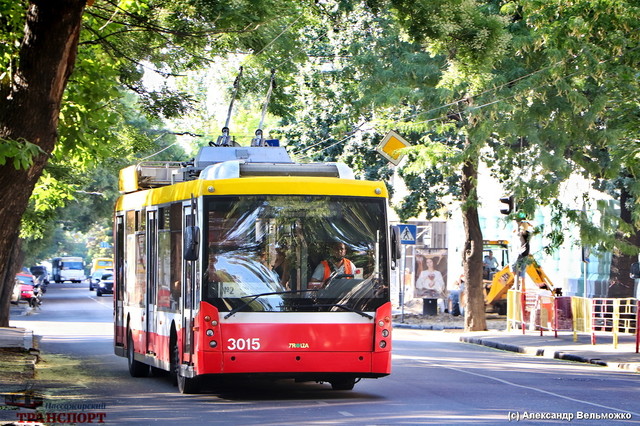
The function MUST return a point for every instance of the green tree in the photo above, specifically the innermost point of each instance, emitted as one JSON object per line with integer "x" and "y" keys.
{"x": 29, "y": 114}
{"x": 464, "y": 41}
{"x": 573, "y": 110}
{"x": 539, "y": 91}
{"x": 115, "y": 43}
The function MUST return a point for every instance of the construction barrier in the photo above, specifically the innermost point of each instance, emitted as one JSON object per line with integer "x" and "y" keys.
{"x": 613, "y": 316}
{"x": 563, "y": 314}
{"x": 514, "y": 310}
{"x": 530, "y": 310}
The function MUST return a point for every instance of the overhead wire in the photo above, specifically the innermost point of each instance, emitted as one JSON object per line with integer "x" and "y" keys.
{"x": 447, "y": 105}
{"x": 466, "y": 98}
{"x": 450, "y": 104}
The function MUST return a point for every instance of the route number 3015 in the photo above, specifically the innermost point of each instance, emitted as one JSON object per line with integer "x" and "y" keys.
{"x": 248, "y": 344}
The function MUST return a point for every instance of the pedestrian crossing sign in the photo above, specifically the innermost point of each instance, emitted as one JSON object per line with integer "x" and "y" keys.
{"x": 408, "y": 233}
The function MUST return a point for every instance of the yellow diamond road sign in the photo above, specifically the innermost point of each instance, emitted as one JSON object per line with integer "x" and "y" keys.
{"x": 390, "y": 145}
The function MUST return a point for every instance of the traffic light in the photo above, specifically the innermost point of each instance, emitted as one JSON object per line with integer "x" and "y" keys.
{"x": 509, "y": 205}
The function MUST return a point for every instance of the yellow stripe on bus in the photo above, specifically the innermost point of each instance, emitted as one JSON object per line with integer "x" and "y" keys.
{"x": 276, "y": 185}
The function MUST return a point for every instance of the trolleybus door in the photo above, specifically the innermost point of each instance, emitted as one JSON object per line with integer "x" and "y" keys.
{"x": 188, "y": 283}
{"x": 152, "y": 273}
{"x": 118, "y": 291}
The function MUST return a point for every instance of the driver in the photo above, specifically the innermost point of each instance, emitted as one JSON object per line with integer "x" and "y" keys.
{"x": 335, "y": 265}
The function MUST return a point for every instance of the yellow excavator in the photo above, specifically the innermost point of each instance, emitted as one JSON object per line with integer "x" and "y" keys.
{"x": 498, "y": 282}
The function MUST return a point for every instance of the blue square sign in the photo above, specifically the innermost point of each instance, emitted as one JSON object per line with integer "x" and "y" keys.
{"x": 408, "y": 233}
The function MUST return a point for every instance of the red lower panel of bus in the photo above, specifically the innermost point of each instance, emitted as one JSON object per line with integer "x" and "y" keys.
{"x": 278, "y": 362}
{"x": 337, "y": 356}
{"x": 274, "y": 337}
{"x": 278, "y": 346}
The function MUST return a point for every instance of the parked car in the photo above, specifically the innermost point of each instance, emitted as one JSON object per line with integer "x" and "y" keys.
{"x": 29, "y": 291}
{"x": 41, "y": 273}
{"x": 95, "y": 278}
{"x": 26, "y": 278}
{"x": 105, "y": 284}
{"x": 15, "y": 294}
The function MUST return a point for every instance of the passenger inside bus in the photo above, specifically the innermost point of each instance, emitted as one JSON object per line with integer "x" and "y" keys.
{"x": 278, "y": 265}
{"x": 336, "y": 265}
{"x": 281, "y": 265}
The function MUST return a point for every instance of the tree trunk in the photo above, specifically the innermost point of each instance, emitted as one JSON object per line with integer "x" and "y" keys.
{"x": 29, "y": 110}
{"x": 620, "y": 283}
{"x": 475, "y": 319}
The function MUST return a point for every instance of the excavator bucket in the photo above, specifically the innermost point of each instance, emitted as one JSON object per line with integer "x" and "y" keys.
{"x": 538, "y": 276}
{"x": 502, "y": 281}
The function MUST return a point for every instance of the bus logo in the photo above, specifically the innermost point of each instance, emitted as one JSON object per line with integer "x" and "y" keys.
{"x": 298, "y": 346}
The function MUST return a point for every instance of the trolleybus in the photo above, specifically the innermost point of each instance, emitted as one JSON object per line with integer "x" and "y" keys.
{"x": 214, "y": 261}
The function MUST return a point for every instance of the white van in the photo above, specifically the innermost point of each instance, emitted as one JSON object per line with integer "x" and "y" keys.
{"x": 67, "y": 269}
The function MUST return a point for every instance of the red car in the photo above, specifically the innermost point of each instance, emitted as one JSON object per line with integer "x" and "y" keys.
{"x": 27, "y": 288}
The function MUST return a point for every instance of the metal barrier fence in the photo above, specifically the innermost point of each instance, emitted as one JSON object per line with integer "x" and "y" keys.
{"x": 611, "y": 316}
{"x": 529, "y": 310}
{"x": 544, "y": 313}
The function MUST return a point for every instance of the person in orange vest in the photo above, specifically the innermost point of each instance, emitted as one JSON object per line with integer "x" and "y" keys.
{"x": 337, "y": 264}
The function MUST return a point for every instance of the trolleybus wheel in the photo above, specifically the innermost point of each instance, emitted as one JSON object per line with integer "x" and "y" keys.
{"x": 158, "y": 372}
{"x": 343, "y": 384}
{"x": 136, "y": 368}
{"x": 174, "y": 355}
{"x": 187, "y": 385}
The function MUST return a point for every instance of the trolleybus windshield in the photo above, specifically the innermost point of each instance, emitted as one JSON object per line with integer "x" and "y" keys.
{"x": 262, "y": 252}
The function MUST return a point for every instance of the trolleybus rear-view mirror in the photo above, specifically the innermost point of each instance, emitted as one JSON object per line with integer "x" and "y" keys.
{"x": 191, "y": 242}
{"x": 396, "y": 252}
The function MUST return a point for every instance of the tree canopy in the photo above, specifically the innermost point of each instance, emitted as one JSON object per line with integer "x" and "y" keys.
{"x": 539, "y": 91}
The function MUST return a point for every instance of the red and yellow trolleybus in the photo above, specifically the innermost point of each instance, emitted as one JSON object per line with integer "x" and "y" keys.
{"x": 214, "y": 263}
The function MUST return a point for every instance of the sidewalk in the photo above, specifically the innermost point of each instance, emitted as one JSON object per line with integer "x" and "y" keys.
{"x": 17, "y": 338}
{"x": 18, "y": 357}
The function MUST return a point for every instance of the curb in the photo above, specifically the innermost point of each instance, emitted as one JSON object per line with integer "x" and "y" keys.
{"x": 501, "y": 346}
{"x": 436, "y": 327}
{"x": 527, "y": 350}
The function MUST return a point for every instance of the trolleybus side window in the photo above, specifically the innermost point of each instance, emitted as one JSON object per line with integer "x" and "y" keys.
{"x": 175, "y": 225}
{"x": 141, "y": 260}
{"x": 119, "y": 254}
{"x": 164, "y": 260}
{"x": 152, "y": 256}
{"x": 130, "y": 226}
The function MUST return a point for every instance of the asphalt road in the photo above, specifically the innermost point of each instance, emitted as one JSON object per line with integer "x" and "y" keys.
{"x": 435, "y": 380}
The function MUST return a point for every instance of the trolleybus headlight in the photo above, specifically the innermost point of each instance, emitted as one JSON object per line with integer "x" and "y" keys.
{"x": 207, "y": 318}
{"x": 383, "y": 344}
{"x": 381, "y": 323}
{"x": 385, "y": 333}
{"x": 213, "y": 343}
{"x": 214, "y": 323}
{"x": 209, "y": 332}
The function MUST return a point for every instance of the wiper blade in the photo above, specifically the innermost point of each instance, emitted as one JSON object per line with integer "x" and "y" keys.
{"x": 255, "y": 296}
{"x": 346, "y": 308}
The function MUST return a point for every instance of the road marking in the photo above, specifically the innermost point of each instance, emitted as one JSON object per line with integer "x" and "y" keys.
{"x": 345, "y": 413}
{"x": 506, "y": 382}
